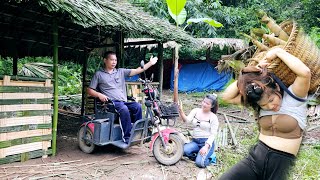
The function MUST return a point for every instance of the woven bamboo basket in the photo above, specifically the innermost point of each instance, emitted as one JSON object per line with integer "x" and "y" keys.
{"x": 301, "y": 46}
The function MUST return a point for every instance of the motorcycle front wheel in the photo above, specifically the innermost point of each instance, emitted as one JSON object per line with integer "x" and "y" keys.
{"x": 172, "y": 154}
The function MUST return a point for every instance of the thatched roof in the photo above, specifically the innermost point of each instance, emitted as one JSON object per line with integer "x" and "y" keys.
{"x": 26, "y": 26}
{"x": 118, "y": 15}
{"x": 169, "y": 44}
{"x": 236, "y": 44}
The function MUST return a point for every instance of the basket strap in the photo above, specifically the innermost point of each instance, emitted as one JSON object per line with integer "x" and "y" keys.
{"x": 284, "y": 87}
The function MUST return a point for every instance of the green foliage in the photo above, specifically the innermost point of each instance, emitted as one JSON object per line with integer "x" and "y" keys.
{"x": 70, "y": 81}
{"x": 6, "y": 66}
{"x": 240, "y": 16}
{"x": 95, "y": 62}
{"x": 176, "y": 6}
{"x": 181, "y": 18}
{"x": 315, "y": 35}
{"x": 70, "y": 76}
{"x": 209, "y": 21}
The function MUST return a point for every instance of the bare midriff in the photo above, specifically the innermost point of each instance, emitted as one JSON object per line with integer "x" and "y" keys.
{"x": 281, "y": 132}
{"x": 282, "y": 144}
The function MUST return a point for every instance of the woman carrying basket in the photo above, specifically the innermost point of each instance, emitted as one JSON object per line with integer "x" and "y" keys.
{"x": 205, "y": 123}
{"x": 281, "y": 117}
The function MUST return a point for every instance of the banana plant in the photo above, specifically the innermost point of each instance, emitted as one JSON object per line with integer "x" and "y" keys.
{"x": 179, "y": 14}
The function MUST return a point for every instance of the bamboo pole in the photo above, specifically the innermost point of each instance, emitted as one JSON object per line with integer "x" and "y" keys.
{"x": 256, "y": 42}
{"x": 55, "y": 75}
{"x": 273, "y": 26}
{"x": 273, "y": 40}
{"x": 231, "y": 131}
{"x": 160, "y": 57}
{"x": 176, "y": 74}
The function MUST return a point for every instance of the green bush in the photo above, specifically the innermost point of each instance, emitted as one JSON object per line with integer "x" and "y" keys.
{"x": 6, "y": 66}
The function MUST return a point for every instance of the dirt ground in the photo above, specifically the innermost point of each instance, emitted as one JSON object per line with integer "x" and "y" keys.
{"x": 109, "y": 162}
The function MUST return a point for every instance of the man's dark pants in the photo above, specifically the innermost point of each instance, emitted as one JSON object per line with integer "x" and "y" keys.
{"x": 129, "y": 112}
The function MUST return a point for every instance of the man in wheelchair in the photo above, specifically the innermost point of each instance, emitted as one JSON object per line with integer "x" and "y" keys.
{"x": 111, "y": 84}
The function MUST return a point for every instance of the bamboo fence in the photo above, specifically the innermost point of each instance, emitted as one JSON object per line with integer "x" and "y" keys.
{"x": 25, "y": 119}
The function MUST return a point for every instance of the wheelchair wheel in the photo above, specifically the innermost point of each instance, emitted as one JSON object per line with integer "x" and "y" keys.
{"x": 173, "y": 153}
{"x": 86, "y": 145}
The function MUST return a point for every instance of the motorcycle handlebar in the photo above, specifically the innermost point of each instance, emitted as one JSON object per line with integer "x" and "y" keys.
{"x": 143, "y": 81}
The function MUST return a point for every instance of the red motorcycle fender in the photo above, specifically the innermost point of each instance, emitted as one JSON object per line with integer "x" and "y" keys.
{"x": 89, "y": 125}
{"x": 165, "y": 133}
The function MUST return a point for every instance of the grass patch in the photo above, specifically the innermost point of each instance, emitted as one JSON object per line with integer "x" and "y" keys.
{"x": 307, "y": 163}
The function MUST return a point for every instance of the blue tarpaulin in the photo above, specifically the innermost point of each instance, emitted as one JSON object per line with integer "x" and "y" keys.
{"x": 132, "y": 78}
{"x": 200, "y": 77}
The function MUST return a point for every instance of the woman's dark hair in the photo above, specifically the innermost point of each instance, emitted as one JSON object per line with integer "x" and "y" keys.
{"x": 214, "y": 102}
{"x": 254, "y": 84}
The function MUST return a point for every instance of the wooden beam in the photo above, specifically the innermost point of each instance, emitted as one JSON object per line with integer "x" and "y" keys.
{"x": 25, "y": 78}
{"x": 15, "y": 65}
{"x": 121, "y": 48}
{"x": 44, "y": 145}
{"x": 25, "y": 156}
{"x": 24, "y": 107}
{"x": 25, "y": 89}
{"x": 43, "y": 43}
{"x": 24, "y": 134}
{"x": 24, "y": 101}
{"x": 14, "y": 142}
{"x": 25, "y": 113}
{"x": 140, "y": 43}
{"x": 160, "y": 59}
{"x": 84, "y": 75}
{"x": 18, "y": 121}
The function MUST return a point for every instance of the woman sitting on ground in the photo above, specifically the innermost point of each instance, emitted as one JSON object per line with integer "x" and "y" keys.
{"x": 281, "y": 117}
{"x": 205, "y": 124}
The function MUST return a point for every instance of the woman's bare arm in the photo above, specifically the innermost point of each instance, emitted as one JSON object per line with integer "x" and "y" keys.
{"x": 301, "y": 84}
{"x": 232, "y": 94}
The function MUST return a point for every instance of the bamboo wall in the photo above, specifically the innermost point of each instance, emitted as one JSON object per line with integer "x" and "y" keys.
{"x": 25, "y": 119}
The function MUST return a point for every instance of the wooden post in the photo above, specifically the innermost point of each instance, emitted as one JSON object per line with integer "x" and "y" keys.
{"x": 208, "y": 55}
{"x": 15, "y": 65}
{"x": 160, "y": 58}
{"x": 120, "y": 47}
{"x": 84, "y": 74}
{"x": 55, "y": 88}
{"x": 176, "y": 74}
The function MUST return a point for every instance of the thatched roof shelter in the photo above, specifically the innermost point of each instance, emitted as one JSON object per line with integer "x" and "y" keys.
{"x": 147, "y": 43}
{"x": 206, "y": 43}
{"x": 26, "y": 26}
{"x": 236, "y": 44}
